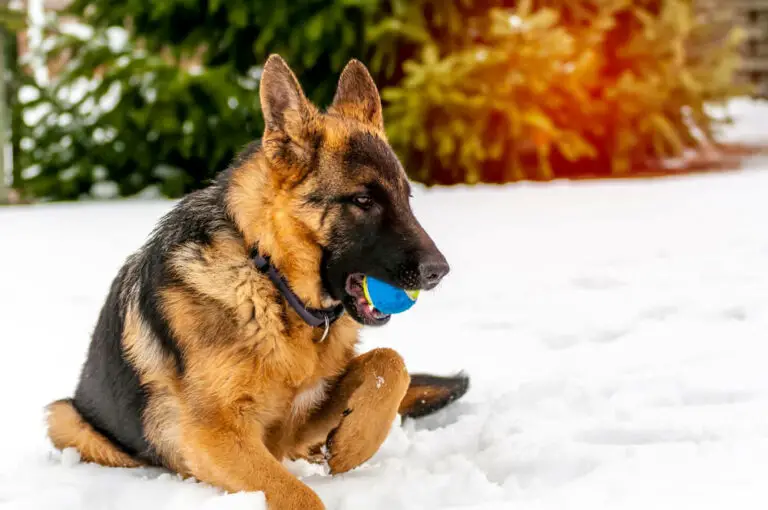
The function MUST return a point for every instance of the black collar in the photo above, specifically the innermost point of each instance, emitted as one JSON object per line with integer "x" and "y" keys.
{"x": 315, "y": 317}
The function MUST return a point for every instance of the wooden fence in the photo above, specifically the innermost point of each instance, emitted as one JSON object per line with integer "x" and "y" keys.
{"x": 752, "y": 16}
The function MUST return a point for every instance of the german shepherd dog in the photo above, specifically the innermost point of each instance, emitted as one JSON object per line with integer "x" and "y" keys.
{"x": 227, "y": 342}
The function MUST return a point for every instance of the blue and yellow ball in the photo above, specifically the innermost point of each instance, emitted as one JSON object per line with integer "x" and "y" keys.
{"x": 387, "y": 298}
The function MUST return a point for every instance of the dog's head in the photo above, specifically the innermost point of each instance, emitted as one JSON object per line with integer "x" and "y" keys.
{"x": 351, "y": 190}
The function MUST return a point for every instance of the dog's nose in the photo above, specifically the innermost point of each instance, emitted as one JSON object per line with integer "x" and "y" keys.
{"x": 432, "y": 270}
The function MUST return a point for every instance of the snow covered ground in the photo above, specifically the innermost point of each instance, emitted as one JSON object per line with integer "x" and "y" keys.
{"x": 616, "y": 334}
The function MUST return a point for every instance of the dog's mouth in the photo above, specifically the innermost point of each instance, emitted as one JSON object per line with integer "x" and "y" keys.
{"x": 358, "y": 305}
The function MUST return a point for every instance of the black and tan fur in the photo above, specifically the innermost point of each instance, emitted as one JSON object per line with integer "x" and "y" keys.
{"x": 197, "y": 363}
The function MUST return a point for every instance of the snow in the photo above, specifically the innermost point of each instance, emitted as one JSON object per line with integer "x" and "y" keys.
{"x": 750, "y": 121}
{"x": 33, "y": 115}
{"x": 615, "y": 333}
{"x": 80, "y": 30}
{"x": 27, "y": 94}
{"x": 116, "y": 38}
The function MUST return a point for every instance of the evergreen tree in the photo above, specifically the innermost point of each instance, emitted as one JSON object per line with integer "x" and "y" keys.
{"x": 163, "y": 94}
{"x": 11, "y": 21}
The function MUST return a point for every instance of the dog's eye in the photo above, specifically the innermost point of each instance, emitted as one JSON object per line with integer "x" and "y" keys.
{"x": 362, "y": 201}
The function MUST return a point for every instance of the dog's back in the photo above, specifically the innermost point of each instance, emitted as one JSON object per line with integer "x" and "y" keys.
{"x": 104, "y": 419}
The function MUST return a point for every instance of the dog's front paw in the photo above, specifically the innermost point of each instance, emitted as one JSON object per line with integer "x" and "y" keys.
{"x": 354, "y": 441}
{"x": 315, "y": 454}
{"x": 295, "y": 496}
{"x": 379, "y": 381}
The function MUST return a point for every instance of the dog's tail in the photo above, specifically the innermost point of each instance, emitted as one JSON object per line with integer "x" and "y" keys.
{"x": 68, "y": 429}
{"x": 430, "y": 393}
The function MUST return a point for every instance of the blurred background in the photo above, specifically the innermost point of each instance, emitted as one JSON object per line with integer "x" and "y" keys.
{"x": 612, "y": 316}
{"x": 104, "y": 99}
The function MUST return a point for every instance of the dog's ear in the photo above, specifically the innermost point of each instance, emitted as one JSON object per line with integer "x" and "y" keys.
{"x": 357, "y": 96}
{"x": 283, "y": 103}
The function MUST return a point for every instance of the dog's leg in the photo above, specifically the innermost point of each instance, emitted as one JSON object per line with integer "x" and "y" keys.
{"x": 359, "y": 413}
{"x": 226, "y": 449}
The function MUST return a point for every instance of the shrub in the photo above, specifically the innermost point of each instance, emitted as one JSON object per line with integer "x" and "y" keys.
{"x": 537, "y": 89}
{"x": 159, "y": 96}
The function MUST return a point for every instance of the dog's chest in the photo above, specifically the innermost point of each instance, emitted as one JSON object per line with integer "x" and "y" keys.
{"x": 309, "y": 398}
